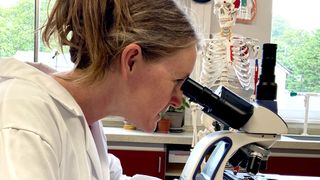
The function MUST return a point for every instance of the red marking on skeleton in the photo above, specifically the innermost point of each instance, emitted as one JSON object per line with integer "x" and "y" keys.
{"x": 231, "y": 57}
{"x": 246, "y": 50}
{"x": 236, "y": 3}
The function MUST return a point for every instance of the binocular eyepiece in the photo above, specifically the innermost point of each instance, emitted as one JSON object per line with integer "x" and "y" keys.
{"x": 223, "y": 105}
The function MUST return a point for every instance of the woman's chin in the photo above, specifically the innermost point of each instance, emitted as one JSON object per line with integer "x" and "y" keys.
{"x": 151, "y": 127}
{"x": 148, "y": 125}
{"x": 148, "y": 129}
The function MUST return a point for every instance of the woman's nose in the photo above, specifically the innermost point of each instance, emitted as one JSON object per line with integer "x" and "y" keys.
{"x": 176, "y": 99}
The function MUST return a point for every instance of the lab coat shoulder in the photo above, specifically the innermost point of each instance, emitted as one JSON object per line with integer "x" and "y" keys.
{"x": 46, "y": 119}
{"x": 28, "y": 136}
{"x": 33, "y": 110}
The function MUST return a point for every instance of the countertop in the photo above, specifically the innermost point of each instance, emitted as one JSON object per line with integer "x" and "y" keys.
{"x": 116, "y": 134}
{"x": 296, "y": 145}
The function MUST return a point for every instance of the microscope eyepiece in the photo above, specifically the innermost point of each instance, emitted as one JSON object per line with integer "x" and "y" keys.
{"x": 267, "y": 87}
{"x": 223, "y": 105}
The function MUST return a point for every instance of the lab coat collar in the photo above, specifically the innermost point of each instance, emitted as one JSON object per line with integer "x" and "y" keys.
{"x": 12, "y": 68}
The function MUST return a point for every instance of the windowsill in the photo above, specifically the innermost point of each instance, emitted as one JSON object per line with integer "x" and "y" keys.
{"x": 295, "y": 126}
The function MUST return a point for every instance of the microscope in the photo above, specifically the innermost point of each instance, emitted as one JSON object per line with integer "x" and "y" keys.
{"x": 256, "y": 129}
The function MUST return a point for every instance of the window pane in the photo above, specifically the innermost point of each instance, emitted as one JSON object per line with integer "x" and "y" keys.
{"x": 52, "y": 57}
{"x": 296, "y": 30}
{"x": 16, "y": 28}
{"x": 17, "y": 34}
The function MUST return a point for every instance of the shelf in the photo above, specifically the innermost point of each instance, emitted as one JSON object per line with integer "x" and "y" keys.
{"x": 174, "y": 169}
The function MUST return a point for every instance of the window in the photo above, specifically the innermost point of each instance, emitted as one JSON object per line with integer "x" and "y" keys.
{"x": 296, "y": 30}
{"x": 16, "y": 27}
{"x": 17, "y": 33}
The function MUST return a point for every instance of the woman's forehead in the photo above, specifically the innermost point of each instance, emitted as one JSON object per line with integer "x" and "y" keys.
{"x": 181, "y": 64}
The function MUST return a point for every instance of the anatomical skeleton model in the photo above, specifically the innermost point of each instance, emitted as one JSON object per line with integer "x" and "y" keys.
{"x": 228, "y": 60}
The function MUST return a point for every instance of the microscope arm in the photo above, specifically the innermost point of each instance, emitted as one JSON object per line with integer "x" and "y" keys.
{"x": 264, "y": 121}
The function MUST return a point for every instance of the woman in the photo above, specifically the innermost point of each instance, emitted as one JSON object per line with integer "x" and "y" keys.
{"x": 130, "y": 57}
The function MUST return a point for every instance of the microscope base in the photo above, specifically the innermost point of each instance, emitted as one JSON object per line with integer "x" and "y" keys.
{"x": 222, "y": 145}
{"x": 229, "y": 175}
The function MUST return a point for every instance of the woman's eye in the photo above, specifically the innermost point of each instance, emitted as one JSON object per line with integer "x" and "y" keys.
{"x": 179, "y": 81}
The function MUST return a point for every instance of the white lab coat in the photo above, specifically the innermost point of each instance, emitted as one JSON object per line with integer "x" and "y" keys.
{"x": 43, "y": 132}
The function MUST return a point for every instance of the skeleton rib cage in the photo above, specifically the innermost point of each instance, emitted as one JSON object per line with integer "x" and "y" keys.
{"x": 227, "y": 62}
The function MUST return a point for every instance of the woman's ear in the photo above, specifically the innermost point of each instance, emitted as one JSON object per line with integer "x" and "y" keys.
{"x": 128, "y": 59}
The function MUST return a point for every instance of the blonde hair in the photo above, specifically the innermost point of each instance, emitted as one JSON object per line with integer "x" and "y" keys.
{"x": 97, "y": 31}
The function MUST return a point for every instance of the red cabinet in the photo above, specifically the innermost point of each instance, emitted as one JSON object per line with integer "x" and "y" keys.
{"x": 300, "y": 166}
{"x": 152, "y": 163}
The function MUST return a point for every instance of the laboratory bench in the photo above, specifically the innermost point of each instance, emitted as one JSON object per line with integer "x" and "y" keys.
{"x": 151, "y": 153}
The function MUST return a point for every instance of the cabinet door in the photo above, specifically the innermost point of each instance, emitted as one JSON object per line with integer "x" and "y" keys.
{"x": 300, "y": 166}
{"x": 150, "y": 163}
